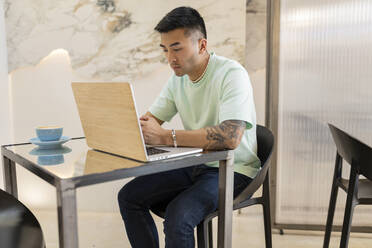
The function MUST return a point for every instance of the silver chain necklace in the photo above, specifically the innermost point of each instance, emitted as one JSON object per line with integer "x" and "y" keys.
{"x": 202, "y": 75}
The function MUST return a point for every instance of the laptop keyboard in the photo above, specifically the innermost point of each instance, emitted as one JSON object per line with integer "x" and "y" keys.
{"x": 153, "y": 151}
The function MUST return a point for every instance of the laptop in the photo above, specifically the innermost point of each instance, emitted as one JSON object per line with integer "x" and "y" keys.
{"x": 111, "y": 123}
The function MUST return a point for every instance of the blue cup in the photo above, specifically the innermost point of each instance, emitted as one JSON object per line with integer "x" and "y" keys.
{"x": 49, "y": 133}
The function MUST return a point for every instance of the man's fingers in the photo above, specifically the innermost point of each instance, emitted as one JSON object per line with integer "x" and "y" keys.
{"x": 144, "y": 118}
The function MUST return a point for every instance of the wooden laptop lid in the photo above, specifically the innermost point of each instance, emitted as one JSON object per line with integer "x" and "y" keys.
{"x": 109, "y": 118}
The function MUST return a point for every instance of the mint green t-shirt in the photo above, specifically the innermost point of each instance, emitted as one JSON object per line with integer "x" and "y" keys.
{"x": 224, "y": 93}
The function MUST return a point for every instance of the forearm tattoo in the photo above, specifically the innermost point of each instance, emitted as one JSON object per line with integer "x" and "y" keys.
{"x": 225, "y": 136}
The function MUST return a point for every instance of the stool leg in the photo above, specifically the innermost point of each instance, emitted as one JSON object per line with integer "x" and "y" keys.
{"x": 202, "y": 234}
{"x": 351, "y": 201}
{"x": 210, "y": 233}
{"x": 266, "y": 212}
{"x": 331, "y": 212}
{"x": 332, "y": 201}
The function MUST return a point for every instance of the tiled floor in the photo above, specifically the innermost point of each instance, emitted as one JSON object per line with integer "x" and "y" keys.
{"x": 105, "y": 230}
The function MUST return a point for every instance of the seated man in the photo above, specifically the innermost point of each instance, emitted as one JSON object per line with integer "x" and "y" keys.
{"x": 213, "y": 96}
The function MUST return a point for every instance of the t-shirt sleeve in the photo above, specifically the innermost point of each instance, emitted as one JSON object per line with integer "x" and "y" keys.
{"x": 236, "y": 101}
{"x": 164, "y": 107}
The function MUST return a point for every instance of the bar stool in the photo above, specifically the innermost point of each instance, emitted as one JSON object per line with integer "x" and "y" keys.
{"x": 359, "y": 191}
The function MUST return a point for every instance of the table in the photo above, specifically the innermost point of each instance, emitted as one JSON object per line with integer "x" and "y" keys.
{"x": 75, "y": 165}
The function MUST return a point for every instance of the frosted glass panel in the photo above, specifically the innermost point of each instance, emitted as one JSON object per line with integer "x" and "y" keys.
{"x": 325, "y": 75}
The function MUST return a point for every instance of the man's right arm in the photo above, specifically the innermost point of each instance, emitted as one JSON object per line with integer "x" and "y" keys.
{"x": 148, "y": 114}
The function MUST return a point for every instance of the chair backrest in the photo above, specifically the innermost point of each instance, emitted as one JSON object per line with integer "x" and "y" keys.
{"x": 18, "y": 226}
{"x": 265, "y": 145}
{"x": 355, "y": 152}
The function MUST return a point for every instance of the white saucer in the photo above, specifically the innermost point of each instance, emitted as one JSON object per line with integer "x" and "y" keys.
{"x": 50, "y": 144}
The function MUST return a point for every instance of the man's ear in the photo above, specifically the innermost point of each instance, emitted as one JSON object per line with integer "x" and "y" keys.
{"x": 202, "y": 45}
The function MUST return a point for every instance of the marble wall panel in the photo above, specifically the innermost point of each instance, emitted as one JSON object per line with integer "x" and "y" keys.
{"x": 111, "y": 39}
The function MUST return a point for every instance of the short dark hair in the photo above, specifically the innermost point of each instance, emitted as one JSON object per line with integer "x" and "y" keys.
{"x": 182, "y": 17}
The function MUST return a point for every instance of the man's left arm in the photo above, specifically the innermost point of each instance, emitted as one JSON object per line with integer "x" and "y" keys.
{"x": 226, "y": 135}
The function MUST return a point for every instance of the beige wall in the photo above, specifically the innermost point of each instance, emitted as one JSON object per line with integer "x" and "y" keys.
{"x": 255, "y": 53}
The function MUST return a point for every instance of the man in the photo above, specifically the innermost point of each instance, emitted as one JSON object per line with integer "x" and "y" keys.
{"x": 214, "y": 98}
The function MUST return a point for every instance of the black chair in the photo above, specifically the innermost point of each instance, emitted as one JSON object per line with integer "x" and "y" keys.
{"x": 18, "y": 226}
{"x": 359, "y": 191}
{"x": 265, "y": 143}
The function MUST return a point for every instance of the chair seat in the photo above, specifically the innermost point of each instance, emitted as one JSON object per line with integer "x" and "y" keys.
{"x": 364, "y": 190}
{"x": 18, "y": 226}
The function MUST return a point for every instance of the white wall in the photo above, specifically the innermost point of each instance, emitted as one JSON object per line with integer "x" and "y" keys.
{"x": 5, "y": 130}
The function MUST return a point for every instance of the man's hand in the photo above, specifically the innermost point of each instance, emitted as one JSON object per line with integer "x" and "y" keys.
{"x": 152, "y": 132}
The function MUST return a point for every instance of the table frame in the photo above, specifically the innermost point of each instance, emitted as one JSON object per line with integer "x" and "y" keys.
{"x": 66, "y": 187}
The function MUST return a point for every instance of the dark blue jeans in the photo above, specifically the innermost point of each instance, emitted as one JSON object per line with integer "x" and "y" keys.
{"x": 189, "y": 194}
